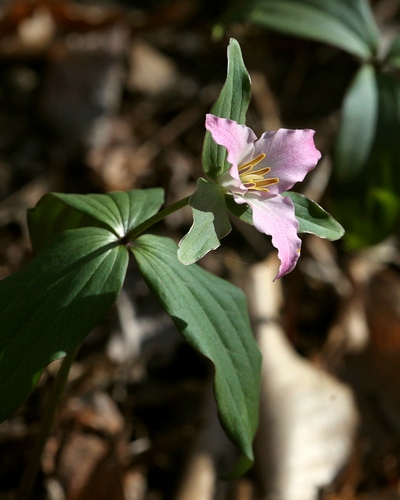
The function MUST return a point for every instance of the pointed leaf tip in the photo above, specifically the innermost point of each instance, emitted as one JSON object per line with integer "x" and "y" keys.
{"x": 212, "y": 315}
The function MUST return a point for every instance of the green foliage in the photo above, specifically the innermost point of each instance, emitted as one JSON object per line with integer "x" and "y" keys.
{"x": 50, "y": 306}
{"x": 210, "y": 216}
{"x": 119, "y": 212}
{"x": 314, "y": 219}
{"x": 358, "y": 124}
{"x": 232, "y": 103}
{"x": 393, "y": 56}
{"x": 212, "y": 316}
{"x": 347, "y": 24}
{"x": 210, "y": 223}
{"x": 368, "y": 203}
{"x": 242, "y": 212}
{"x": 372, "y": 218}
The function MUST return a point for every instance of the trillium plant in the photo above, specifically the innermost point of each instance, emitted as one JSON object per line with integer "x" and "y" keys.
{"x": 82, "y": 244}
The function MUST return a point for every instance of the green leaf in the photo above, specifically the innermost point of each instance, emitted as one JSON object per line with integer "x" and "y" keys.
{"x": 212, "y": 315}
{"x": 52, "y": 304}
{"x": 393, "y": 56}
{"x": 347, "y": 24}
{"x": 232, "y": 103}
{"x": 367, "y": 205}
{"x": 357, "y": 127}
{"x": 387, "y": 144}
{"x": 210, "y": 223}
{"x": 379, "y": 219}
{"x": 314, "y": 219}
{"x": 119, "y": 211}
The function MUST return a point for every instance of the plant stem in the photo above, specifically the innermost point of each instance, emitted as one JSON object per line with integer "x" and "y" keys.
{"x": 30, "y": 474}
{"x": 156, "y": 218}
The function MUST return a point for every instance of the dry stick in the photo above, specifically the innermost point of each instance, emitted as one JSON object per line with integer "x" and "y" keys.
{"x": 30, "y": 474}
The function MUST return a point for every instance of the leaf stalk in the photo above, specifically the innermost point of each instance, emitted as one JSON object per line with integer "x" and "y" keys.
{"x": 134, "y": 233}
{"x": 28, "y": 481}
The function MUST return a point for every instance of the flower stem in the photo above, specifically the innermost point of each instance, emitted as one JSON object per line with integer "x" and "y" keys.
{"x": 156, "y": 218}
{"x": 30, "y": 474}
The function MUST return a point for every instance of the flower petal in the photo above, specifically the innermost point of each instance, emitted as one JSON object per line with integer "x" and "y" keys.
{"x": 275, "y": 216}
{"x": 237, "y": 139}
{"x": 291, "y": 154}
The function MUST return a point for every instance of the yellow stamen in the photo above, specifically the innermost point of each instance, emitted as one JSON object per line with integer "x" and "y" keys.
{"x": 267, "y": 182}
{"x": 255, "y": 180}
{"x": 246, "y": 167}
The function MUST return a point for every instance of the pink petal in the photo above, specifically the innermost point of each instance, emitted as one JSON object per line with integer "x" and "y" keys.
{"x": 237, "y": 139}
{"x": 291, "y": 154}
{"x": 275, "y": 216}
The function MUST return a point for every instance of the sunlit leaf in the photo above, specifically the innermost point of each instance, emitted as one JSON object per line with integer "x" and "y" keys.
{"x": 118, "y": 211}
{"x": 347, "y": 24}
{"x": 210, "y": 223}
{"x": 212, "y": 316}
{"x": 232, "y": 103}
{"x": 50, "y": 306}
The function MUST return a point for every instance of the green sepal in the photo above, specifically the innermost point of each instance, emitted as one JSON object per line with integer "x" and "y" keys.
{"x": 242, "y": 211}
{"x": 232, "y": 103}
{"x": 210, "y": 222}
{"x": 314, "y": 219}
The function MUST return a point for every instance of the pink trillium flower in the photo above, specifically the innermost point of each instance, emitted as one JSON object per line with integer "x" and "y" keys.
{"x": 262, "y": 169}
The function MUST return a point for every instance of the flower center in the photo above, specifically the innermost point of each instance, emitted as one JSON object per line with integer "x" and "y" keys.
{"x": 256, "y": 180}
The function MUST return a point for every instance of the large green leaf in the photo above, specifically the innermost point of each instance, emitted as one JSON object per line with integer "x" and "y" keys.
{"x": 119, "y": 211}
{"x": 210, "y": 223}
{"x": 212, "y": 316}
{"x": 232, "y": 103}
{"x": 357, "y": 127}
{"x": 49, "y": 307}
{"x": 347, "y": 24}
